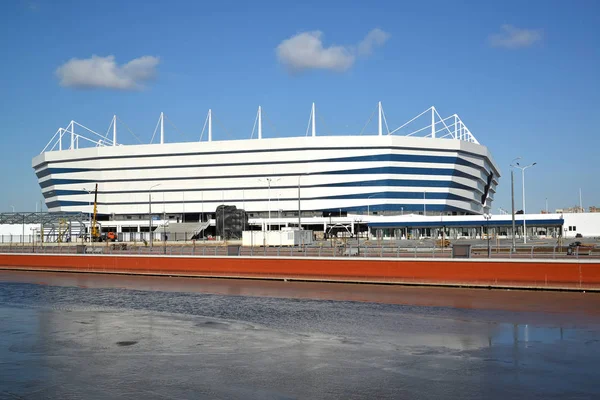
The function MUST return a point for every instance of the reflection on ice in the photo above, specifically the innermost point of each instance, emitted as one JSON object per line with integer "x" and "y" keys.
{"x": 525, "y": 333}
{"x": 71, "y": 342}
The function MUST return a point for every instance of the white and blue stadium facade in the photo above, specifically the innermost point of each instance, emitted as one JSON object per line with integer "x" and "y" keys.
{"x": 438, "y": 169}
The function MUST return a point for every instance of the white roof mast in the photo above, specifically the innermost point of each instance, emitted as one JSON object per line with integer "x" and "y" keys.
{"x": 314, "y": 129}
{"x": 259, "y": 122}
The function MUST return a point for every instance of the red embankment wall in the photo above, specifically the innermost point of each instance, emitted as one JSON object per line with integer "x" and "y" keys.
{"x": 514, "y": 273}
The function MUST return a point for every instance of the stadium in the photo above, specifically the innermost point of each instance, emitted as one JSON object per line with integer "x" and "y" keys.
{"x": 436, "y": 168}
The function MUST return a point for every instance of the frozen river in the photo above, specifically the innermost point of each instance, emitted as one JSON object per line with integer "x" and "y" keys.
{"x": 71, "y": 336}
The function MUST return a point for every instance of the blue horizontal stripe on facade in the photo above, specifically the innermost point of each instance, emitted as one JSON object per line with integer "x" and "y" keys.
{"x": 404, "y": 182}
{"x": 377, "y": 182}
{"x": 363, "y": 171}
{"x": 47, "y": 171}
{"x": 377, "y": 196}
{"x": 414, "y": 158}
{"x": 52, "y": 182}
{"x": 407, "y": 208}
{"x": 505, "y": 223}
{"x": 399, "y": 195}
{"x": 404, "y": 171}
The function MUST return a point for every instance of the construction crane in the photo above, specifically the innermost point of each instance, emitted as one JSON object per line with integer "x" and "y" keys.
{"x": 94, "y": 234}
{"x": 94, "y": 230}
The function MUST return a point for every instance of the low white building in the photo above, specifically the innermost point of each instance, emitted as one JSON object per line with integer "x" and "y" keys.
{"x": 287, "y": 237}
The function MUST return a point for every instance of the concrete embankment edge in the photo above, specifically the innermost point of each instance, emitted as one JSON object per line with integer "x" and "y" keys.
{"x": 519, "y": 274}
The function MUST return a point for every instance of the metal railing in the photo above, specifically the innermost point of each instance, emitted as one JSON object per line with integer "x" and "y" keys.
{"x": 319, "y": 250}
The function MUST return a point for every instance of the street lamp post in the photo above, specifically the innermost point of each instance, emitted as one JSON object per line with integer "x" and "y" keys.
{"x": 150, "y": 212}
{"x": 269, "y": 180}
{"x": 90, "y": 213}
{"x": 512, "y": 199}
{"x": 358, "y": 221}
{"x": 330, "y": 238}
{"x": 487, "y": 218}
{"x": 164, "y": 226}
{"x": 368, "y": 205}
{"x": 299, "y": 207}
{"x": 523, "y": 181}
{"x": 369, "y": 213}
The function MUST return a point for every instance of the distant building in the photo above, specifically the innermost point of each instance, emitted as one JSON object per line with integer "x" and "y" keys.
{"x": 571, "y": 210}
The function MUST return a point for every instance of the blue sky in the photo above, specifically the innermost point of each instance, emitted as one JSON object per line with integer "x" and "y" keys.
{"x": 523, "y": 76}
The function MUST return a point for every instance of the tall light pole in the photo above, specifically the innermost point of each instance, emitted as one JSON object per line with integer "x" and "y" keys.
{"x": 150, "y": 212}
{"x": 487, "y": 218}
{"x": 222, "y": 214}
{"x": 269, "y": 180}
{"x": 300, "y": 208}
{"x": 523, "y": 181}
{"x": 164, "y": 226}
{"x": 244, "y": 208}
{"x": 368, "y": 205}
{"x": 512, "y": 199}
{"x": 369, "y": 213}
{"x": 330, "y": 239}
{"x": 90, "y": 213}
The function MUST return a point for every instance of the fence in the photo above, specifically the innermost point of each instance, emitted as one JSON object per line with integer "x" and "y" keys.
{"x": 365, "y": 251}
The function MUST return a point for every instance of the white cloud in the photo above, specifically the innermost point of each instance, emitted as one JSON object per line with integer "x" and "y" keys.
{"x": 306, "y": 51}
{"x": 375, "y": 38}
{"x": 103, "y": 72}
{"x": 515, "y": 38}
